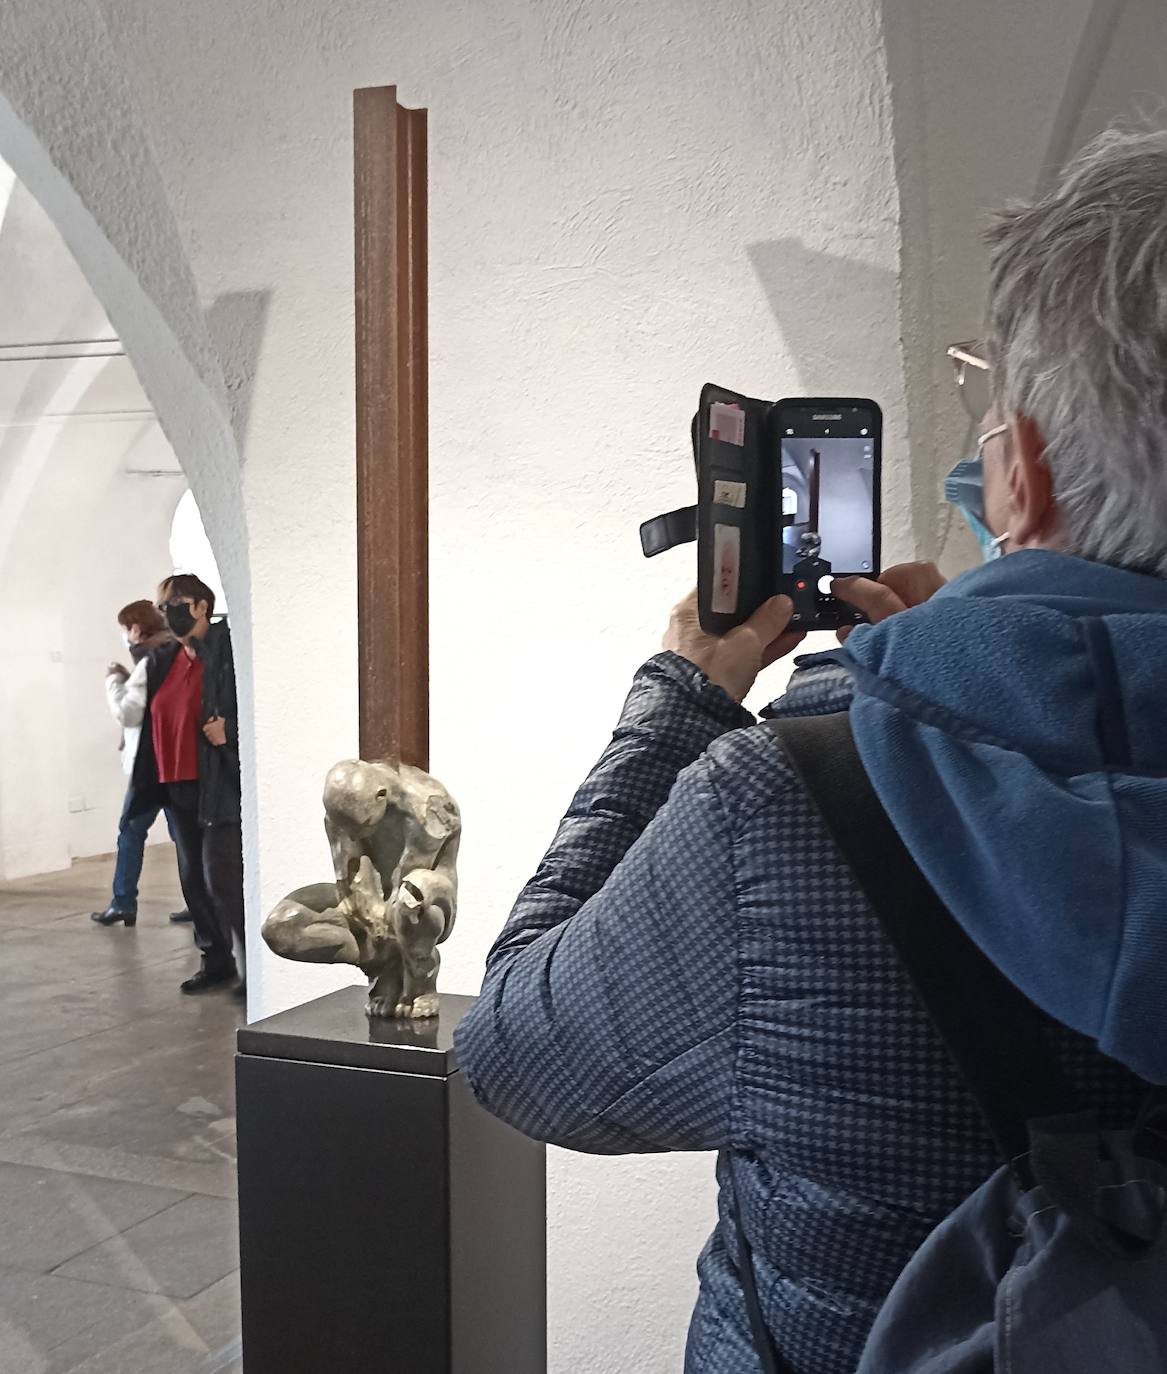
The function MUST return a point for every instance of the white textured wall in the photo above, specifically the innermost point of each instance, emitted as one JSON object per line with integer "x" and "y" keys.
{"x": 58, "y": 610}
{"x": 79, "y": 537}
{"x": 61, "y": 780}
{"x": 92, "y": 539}
{"x": 626, "y": 201}
{"x": 71, "y": 133}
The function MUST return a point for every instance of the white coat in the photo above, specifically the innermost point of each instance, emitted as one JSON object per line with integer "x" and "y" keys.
{"x": 127, "y": 703}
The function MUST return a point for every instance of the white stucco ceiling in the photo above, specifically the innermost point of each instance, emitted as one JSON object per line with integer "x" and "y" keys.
{"x": 91, "y": 403}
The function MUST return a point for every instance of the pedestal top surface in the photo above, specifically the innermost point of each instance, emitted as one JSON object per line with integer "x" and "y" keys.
{"x": 335, "y": 1030}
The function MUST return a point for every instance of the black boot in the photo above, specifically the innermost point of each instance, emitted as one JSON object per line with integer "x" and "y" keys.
{"x": 112, "y": 915}
{"x": 209, "y": 976}
{"x": 180, "y": 917}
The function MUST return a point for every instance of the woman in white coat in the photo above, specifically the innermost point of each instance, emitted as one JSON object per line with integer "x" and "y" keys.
{"x": 142, "y": 629}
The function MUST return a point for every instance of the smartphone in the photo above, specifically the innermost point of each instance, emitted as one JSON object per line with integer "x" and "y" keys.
{"x": 828, "y": 456}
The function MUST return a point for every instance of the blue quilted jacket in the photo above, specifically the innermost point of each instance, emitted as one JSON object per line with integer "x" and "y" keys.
{"x": 694, "y": 968}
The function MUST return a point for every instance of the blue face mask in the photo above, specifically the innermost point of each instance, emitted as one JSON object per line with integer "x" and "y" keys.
{"x": 964, "y": 487}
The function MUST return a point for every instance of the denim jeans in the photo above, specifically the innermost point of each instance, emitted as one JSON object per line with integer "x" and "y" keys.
{"x": 132, "y": 832}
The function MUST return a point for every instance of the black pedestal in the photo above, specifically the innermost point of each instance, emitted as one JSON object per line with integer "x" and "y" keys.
{"x": 387, "y": 1223}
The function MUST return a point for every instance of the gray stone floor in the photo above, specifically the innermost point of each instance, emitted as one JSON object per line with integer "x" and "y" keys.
{"x": 118, "y": 1250}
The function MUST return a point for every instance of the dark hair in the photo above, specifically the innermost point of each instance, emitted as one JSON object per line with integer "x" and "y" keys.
{"x": 143, "y": 613}
{"x": 187, "y": 584}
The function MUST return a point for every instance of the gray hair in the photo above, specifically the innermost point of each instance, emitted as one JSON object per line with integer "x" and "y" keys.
{"x": 1078, "y": 341}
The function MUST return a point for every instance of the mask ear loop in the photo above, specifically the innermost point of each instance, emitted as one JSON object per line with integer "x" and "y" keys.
{"x": 997, "y": 547}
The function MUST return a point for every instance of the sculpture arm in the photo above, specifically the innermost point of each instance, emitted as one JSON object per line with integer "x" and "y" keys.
{"x": 607, "y": 1018}
{"x": 347, "y": 854}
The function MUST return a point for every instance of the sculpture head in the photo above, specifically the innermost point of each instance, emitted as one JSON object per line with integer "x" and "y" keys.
{"x": 357, "y": 794}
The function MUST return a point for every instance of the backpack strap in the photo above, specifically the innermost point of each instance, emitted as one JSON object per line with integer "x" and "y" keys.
{"x": 993, "y": 1033}
{"x": 768, "y": 1356}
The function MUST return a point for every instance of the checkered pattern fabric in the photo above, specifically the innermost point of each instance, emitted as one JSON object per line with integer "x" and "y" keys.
{"x": 694, "y": 968}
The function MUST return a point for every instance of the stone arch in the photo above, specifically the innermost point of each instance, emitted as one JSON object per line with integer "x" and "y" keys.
{"x": 71, "y": 133}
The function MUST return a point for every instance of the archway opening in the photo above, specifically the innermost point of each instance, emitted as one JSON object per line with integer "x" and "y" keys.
{"x": 118, "y": 1126}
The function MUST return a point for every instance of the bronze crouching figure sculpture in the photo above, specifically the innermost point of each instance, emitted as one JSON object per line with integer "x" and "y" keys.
{"x": 394, "y": 832}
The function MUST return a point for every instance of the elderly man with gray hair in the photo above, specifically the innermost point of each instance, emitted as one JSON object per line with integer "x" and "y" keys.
{"x": 696, "y": 964}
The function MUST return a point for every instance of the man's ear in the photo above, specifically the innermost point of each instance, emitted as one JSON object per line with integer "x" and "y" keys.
{"x": 1033, "y": 512}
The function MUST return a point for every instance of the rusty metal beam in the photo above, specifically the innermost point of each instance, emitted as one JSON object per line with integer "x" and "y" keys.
{"x": 815, "y": 479}
{"x": 392, "y": 355}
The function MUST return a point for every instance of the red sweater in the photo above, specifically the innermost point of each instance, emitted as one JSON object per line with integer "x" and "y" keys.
{"x": 176, "y": 720}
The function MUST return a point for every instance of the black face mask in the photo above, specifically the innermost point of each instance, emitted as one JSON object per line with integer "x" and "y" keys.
{"x": 179, "y": 619}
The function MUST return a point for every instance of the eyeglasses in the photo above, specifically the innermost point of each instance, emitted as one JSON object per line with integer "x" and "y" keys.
{"x": 972, "y": 376}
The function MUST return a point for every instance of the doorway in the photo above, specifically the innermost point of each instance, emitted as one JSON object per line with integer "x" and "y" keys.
{"x": 117, "y": 1138}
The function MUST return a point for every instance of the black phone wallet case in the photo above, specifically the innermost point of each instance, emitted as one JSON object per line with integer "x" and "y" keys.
{"x": 737, "y": 521}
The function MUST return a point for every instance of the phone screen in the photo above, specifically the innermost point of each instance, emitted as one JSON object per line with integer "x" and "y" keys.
{"x": 829, "y": 497}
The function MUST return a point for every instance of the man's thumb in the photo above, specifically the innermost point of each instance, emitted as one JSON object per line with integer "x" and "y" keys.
{"x": 771, "y": 618}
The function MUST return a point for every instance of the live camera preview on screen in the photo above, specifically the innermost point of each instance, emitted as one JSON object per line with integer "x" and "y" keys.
{"x": 827, "y": 504}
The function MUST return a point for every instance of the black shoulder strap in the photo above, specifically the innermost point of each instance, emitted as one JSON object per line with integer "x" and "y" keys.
{"x": 992, "y": 1031}
{"x": 768, "y": 1356}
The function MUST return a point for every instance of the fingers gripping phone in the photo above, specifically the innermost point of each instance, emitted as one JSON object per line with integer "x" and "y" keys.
{"x": 788, "y": 497}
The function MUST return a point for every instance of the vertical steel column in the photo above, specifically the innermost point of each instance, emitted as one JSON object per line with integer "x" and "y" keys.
{"x": 392, "y": 361}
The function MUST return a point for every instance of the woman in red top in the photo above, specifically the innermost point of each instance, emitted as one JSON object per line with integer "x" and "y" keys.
{"x": 188, "y": 759}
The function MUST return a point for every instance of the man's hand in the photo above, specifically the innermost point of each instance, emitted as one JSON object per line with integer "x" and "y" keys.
{"x": 116, "y": 670}
{"x": 898, "y": 589}
{"x": 735, "y": 659}
{"x": 216, "y": 731}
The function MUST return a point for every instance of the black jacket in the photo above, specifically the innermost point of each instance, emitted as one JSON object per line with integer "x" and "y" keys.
{"x": 218, "y": 764}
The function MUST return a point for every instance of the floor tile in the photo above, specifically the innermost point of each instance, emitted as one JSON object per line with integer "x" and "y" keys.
{"x": 40, "y": 1313}
{"x": 178, "y": 1252}
{"x": 180, "y": 1341}
{"x": 122, "y": 1166}
{"x": 214, "y": 1313}
{"x": 153, "y": 1064}
{"x": 34, "y": 1017}
{"x": 116, "y": 1109}
{"x": 48, "y": 1216}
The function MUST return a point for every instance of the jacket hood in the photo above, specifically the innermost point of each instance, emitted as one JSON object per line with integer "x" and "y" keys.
{"x": 1015, "y": 730}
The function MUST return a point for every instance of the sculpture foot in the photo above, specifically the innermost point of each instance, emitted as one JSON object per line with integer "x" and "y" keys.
{"x": 381, "y": 1006}
{"x": 419, "y": 1008}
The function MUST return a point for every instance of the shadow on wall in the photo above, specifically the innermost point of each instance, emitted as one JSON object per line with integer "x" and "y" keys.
{"x": 808, "y": 289}
{"x": 839, "y": 319}
{"x": 236, "y": 323}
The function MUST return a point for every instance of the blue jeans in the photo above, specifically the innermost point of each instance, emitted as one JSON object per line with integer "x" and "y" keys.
{"x": 132, "y": 832}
